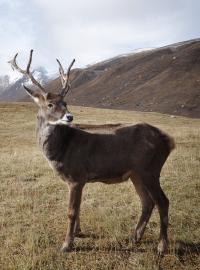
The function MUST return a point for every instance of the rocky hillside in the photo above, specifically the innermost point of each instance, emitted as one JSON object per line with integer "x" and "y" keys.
{"x": 14, "y": 91}
{"x": 165, "y": 80}
{"x": 4, "y": 83}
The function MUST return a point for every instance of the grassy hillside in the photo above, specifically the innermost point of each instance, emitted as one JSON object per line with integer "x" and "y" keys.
{"x": 33, "y": 202}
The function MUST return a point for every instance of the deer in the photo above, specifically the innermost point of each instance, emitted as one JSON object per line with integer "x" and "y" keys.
{"x": 136, "y": 152}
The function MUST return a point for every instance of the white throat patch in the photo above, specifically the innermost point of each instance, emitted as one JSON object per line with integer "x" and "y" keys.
{"x": 63, "y": 121}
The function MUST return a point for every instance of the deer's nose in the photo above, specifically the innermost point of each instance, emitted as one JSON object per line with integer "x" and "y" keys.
{"x": 69, "y": 118}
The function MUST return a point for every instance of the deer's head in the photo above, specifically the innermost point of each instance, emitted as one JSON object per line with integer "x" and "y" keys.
{"x": 52, "y": 106}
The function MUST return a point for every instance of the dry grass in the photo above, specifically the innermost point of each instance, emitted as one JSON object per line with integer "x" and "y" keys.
{"x": 33, "y": 202}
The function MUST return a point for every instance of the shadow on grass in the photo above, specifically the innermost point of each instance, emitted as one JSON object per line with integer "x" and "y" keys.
{"x": 108, "y": 249}
{"x": 119, "y": 246}
{"x": 183, "y": 250}
{"x": 186, "y": 248}
{"x": 87, "y": 235}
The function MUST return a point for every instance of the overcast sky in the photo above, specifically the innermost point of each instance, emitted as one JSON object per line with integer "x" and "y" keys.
{"x": 91, "y": 30}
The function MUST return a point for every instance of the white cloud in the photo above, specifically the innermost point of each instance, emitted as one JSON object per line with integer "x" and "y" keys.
{"x": 91, "y": 30}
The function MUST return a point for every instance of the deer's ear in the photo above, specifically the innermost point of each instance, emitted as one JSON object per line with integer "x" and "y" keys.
{"x": 38, "y": 98}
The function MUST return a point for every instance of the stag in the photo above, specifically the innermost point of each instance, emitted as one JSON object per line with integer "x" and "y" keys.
{"x": 137, "y": 152}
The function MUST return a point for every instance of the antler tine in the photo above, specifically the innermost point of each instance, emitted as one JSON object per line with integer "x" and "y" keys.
{"x": 15, "y": 66}
{"x": 61, "y": 71}
{"x": 27, "y": 71}
{"x": 65, "y": 77}
{"x": 29, "y": 61}
{"x": 70, "y": 66}
{"x": 31, "y": 75}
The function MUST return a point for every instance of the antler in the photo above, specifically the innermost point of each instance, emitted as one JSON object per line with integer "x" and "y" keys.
{"x": 26, "y": 71}
{"x": 65, "y": 77}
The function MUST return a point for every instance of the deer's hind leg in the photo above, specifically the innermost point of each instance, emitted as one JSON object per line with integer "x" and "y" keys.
{"x": 147, "y": 208}
{"x": 77, "y": 229}
{"x": 155, "y": 191}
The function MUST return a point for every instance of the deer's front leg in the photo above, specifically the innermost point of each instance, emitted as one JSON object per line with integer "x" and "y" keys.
{"x": 75, "y": 192}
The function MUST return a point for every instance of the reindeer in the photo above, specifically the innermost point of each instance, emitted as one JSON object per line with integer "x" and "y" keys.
{"x": 137, "y": 152}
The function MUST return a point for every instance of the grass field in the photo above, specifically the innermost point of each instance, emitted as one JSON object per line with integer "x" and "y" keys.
{"x": 33, "y": 202}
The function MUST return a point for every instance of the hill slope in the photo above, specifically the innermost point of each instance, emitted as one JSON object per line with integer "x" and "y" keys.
{"x": 165, "y": 80}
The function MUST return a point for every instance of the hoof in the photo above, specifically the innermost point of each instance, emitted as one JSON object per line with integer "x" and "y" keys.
{"x": 163, "y": 247}
{"x": 66, "y": 247}
{"x": 136, "y": 241}
{"x": 78, "y": 233}
{"x": 137, "y": 238}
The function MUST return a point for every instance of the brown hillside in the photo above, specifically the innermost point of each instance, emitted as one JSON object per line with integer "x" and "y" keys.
{"x": 165, "y": 80}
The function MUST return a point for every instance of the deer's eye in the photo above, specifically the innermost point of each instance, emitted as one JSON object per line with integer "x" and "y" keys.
{"x": 50, "y": 105}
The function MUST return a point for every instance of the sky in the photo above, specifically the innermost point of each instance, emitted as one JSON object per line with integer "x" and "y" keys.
{"x": 90, "y": 30}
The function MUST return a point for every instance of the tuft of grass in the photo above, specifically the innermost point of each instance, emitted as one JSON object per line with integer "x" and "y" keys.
{"x": 33, "y": 202}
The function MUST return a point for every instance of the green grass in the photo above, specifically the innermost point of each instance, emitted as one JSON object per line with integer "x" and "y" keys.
{"x": 33, "y": 202}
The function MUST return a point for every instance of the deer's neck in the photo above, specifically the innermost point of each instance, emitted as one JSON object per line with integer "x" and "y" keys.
{"x": 53, "y": 139}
